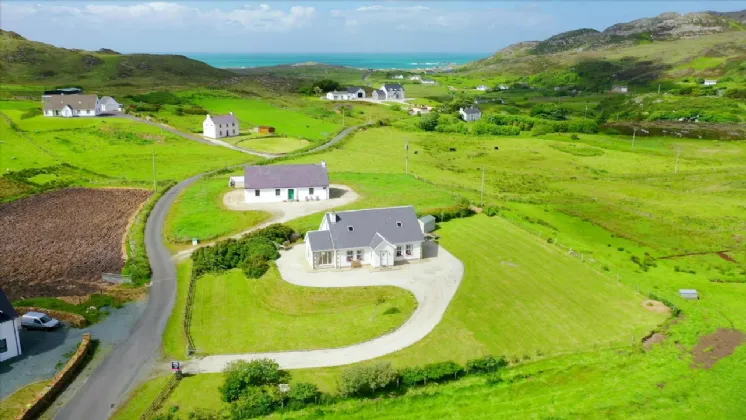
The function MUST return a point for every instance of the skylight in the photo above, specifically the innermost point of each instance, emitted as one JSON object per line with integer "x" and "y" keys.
{"x": 349, "y": 228}
{"x": 398, "y": 224}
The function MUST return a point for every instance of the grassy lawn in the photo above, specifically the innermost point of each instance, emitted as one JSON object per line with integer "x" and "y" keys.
{"x": 141, "y": 399}
{"x": 12, "y": 406}
{"x": 199, "y": 212}
{"x": 174, "y": 342}
{"x": 273, "y": 144}
{"x": 233, "y": 314}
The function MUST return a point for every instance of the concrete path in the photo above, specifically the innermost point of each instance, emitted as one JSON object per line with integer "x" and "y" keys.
{"x": 281, "y": 212}
{"x": 433, "y": 282}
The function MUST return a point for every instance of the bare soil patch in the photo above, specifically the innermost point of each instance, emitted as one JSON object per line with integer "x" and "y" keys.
{"x": 656, "y": 338}
{"x": 59, "y": 243}
{"x": 716, "y": 346}
{"x": 656, "y": 306}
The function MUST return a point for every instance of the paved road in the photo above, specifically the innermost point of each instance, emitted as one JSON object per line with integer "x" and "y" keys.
{"x": 433, "y": 282}
{"x": 131, "y": 361}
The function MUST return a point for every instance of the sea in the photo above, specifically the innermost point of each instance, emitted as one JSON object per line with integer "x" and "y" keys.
{"x": 378, "y": 61}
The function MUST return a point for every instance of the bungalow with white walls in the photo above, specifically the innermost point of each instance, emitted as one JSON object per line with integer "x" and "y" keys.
{"x": 10, "y": 323}
{"x": 471, "y": 113}
{"x": 219, "y": 126}
{"x": 389, "y": 91}
{"x": 71, "y": 105}
{"x": 273, "y": 183}
{"x": 429, "y": 82}
{"x": 356, "y": 92}
{"x": 377, "y": 237}
{"x": 415, "y": 77}
{"x": 710, "y": 82}
{"x": 109, "y": 105}
{"x": 338, "y": 95}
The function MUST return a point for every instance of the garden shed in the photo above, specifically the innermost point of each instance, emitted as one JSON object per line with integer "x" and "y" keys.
{"x": 427, "y": 223}
{"x": 689, "y": 294}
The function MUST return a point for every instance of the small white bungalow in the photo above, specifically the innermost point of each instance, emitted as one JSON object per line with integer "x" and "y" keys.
{"x": 483, "y": 88}
{"x": 71, "y": 105}
{"x": 415, "y": 77}
{"x": 710, "y": 82}
{"x": 355, "y": 92}
{"x": 377, "y": 237}
{"x": 429, "y": 82}
{"x": 338, "y": 95}
{"x": 219, "y": 126}
{"x": 10, "y": 323}
{"x": 471, "y": 113}
{"x": 273, "y": 183}
{"x": 109, "y": 105}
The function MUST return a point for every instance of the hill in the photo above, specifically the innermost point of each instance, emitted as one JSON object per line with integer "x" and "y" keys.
{"x": 668, "y": 46}
{"x": 26, "y": 61}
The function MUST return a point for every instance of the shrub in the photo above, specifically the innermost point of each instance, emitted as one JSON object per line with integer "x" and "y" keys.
{"x": 241, "y": 375}
{"x": 138, "y": 268}
{"x": 395, "y": 107}
{"x": 429, "y": 122}
{"x": 491, "y": 211}
{"x": 486, "y": 364}
{"x": 303, "y": 393}
{"x": 444, "y": 214}
{"x": 486, "y": 128}
{"x": 549, "y": 111}
{"x": 540, "y": 129}
{"x": 254, "y": 266}
{"x": 31, "y": 113}
{"x": 204, "y": 414}
{"x": 255, "y": 402}
{"x": 444, "y": 371}
{"x": 366, "y": 380}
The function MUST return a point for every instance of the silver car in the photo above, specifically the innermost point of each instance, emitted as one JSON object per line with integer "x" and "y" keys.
{"x": 38, "y": 321}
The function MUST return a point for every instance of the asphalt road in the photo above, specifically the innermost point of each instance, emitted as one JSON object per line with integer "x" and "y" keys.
{"x": 131, "y": 361}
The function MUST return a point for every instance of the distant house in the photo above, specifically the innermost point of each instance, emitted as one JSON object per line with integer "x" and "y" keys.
{"x": 398, "y": 76}
{"x": 503, "y": 87}
{"x": 470, "y": 114}
{"x": 338, "y": 95}
{"x": 429, "y": 82}
{"x": 272, "y": 183}
{"x": 415, "y": 77}
{"x": 710, "y": 82}
{"x": 379, "y": 94}
{"x": 390, "y": 91}
{"x": 219, "y": 126}
{"x": 264, "y": 129}
{"x": 355, "y": 92}
{"x": 619, "y": 89}
{"x": 376, "y": 237}
{"x": 420, "y": 109}
{"x": 689, "y": 294}
{"x": 71, "y": 105}
{"x": 109, "y": 105}
{"x": 64, "y": 91}
{"x": 10, "y": 323}
{"x": 483, "y": 88}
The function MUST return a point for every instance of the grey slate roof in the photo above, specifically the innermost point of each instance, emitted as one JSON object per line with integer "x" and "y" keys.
{"x": 426, "y": 219}
{"x": 320, "y": 240}
{"x": 393, "y": 86}
{"x": 57, "y": 102}
{"x": 368, "y": 224}
{"x": 380, "y": 93}
{"x": 6, "y": 309}
{"x": 472, "y": 110}
{"x": 108, "y": 100}
{"x": 354, "y": 89}
{"x": 285, "y": 176}
{"x": 339, "y": 92}
{"x": 224, "y": 119}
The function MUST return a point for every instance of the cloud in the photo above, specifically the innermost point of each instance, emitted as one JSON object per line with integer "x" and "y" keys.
{"x": 167, "y": 14}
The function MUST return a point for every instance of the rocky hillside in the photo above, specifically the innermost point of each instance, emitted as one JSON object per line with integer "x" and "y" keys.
{"x": 26, "y": 61}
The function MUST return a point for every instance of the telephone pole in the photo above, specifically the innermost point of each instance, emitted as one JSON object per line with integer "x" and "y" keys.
{"x": 155, "y": 183}
{"x": 481, "y": 194}
{"x": 406, "y": 157}
{"x": 634, "y": 132}
{"x": 659, "y": 89}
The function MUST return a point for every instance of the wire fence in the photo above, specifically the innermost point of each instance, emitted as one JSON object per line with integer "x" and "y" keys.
{"x": 162, "y": 396}
{"x": 191, "y": 349}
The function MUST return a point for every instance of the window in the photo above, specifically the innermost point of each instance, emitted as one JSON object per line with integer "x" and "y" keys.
{"x": 359, "y": 255}
{"x": 349, "y": 255}
{"x": 221, "y": 133}
{"x": 256, "y": 193}
{"x": 349, "y": 228}
{"x": 277, "y": 192}
{"x": 3, "y": 345}
{"x": 45, "y": 319}
{"x": 398, "y": 251}
{"x": 310, "y": 191}
{"x": 408, "y": 249}
{"x": 36, "y": 321}
{"x": 234, "y": 124}
{"x": 398, "y": 224}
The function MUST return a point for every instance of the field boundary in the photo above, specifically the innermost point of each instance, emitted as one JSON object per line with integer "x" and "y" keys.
{"x": 187, "y": 327}
{"x": 162, "y": 396}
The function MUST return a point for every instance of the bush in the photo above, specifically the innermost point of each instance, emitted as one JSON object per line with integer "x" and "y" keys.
{"x": 395, "y": 107}
{"x": 434, "y": 372}
{"x": 255, "y": 402}
{"x": 486, "y": 364}
{"x": 429, "y": 122}
{"x": 491, "y": 211}
{"x": 540, "y": 129}
{"x": 204, "y": 414}
{"x": 31, "y": 113}
{"x": 241, "y": 375}
{"x": 138, "y": 268}
{"x": 444, "y": 214}
{"x": 303, "y": 393}
{"x": 549, "y": 111}
{"x": 366, "y": 380}
{"x": 486, "y": 128}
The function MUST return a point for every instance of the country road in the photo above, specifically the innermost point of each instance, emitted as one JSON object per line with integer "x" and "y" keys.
{"x": 131, "y": 361}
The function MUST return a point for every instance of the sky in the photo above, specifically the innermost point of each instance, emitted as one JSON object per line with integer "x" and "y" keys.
{"x": 304, "y": 26}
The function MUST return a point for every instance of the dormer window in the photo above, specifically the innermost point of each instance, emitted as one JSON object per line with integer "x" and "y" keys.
{"x": 349, "y": 228}
{"x": 398, "y": 224}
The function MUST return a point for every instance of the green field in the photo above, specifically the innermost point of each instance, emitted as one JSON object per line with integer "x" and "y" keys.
{"x": 234, "y": 314}
{"x": 12, "y": 406}
{"x": 199, "y": 213}
{"x": 272, "y": 144}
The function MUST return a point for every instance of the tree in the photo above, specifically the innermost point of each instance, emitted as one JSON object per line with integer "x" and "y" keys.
{"x": 317, "y": 90}
{"x": 366, "y": 380}
{"x": 241, "y": 375}
{"x": 303, "y": 393}
{"x": 429, "y": 122}
{"x": 549, "y": 111}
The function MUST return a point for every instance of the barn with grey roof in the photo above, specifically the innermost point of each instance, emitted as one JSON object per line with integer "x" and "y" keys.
{"x": 377, "y": 237}
{"x": 273, "y": 183}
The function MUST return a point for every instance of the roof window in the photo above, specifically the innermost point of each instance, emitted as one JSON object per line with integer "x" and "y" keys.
{"x": 349, "y": 228}
{"x": 398, "y": 223}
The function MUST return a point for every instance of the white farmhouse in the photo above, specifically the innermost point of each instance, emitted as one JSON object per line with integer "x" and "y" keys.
{"x": 338, "y": 95}
{"x": 219, "y": 126}
{"x": 710, "y": 82}
{"x": 10, "y": 323}
{"x": 619, "y": 89}
{"x": 376, "y": 237}
{"x": 389, "y": 91}
{"x": 504, "y": 87}
{"x": 109, "y": 105}
{"x": 356, "y": 92}
{"x": 71, "y": 105}
{"x": 273, "y": 183}
{"x": 471, "y": 113}
{"x": 483, "y": 88}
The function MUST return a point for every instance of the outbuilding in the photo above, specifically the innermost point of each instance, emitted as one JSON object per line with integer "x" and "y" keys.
{"x": 689, "y": 294}
{"x": 273, "y": 183}
{"x": 10, "y": 323}
{"x": 265, "y": 129}
{"x": 427, "y": 223}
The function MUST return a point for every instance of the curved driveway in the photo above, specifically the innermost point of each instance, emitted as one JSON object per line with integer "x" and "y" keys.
{"x": 433, "y": 281}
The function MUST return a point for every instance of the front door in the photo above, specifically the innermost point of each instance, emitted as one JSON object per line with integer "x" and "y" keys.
{"x": 384, "y": 258}
{"x": 291, "y": 194}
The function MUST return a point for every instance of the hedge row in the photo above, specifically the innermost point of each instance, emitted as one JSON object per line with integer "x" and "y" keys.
{"x": 525, "y": 123}
{"x": 444, "y": 214}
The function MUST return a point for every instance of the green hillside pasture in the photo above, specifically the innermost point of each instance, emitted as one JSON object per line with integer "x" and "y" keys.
{"x": 702, "y": 63}
{"x": 114, "y": 147}
{"x": 275, "y": 315}
{"x": 272, "y": 144}
{"x": 256, "y": 112}
{"x": 199, "y": 213}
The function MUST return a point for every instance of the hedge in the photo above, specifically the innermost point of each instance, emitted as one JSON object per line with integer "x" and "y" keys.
{"x": 444, "y": 214}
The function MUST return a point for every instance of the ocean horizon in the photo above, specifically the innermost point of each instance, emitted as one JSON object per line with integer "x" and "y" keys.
{"x": 378, "y": 61}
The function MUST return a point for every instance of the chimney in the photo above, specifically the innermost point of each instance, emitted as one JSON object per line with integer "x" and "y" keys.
{"x": 323, "y": 164}
{"x": 208, "y": 116}
{"x": 231, "y": 112}
{"x": 332, "y": 217}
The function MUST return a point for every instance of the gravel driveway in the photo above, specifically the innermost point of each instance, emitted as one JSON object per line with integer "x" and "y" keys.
{"x": 43, "y": 351}
{"x": 433, "y": 281}
{"x": 281, "y": 212}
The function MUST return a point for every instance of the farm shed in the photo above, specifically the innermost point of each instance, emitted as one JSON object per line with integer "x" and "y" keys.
{"x": 265, "y": 129}
{"x": 236, "y": 182}
{"x": 689, "y": 294}
{"x": 427, "y": 223}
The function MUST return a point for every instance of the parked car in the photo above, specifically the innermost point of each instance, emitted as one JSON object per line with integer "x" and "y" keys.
{"x": 38, "y": 321}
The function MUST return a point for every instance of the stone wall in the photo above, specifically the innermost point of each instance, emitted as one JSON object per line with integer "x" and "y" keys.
{"x": 74, "y": 320}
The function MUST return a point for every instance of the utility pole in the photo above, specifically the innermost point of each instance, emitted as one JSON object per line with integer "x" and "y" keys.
{"x": 586, "y": 111}
{"x": 155, "y": 183}
{"x": 659, "y": 89}
{"x": 634, "y": 132}
{"x": 481, "y": 195}
{"x": 678, "y": 152}
{"x": 406, "y": 157}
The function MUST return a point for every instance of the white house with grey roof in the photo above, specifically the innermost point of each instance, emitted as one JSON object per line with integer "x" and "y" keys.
{"x": 338, "y": 95}
{"x": 10, "y": 323}
{"x": 71, "y": 105}
{"x": 376, "y": 237}
{"x": 277, "y": 183}
{"x": 219, "y": 126}
{"x": 389, "y": 91}
{"x": 470, "y": 113}
{"x": 109, "y": 105}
